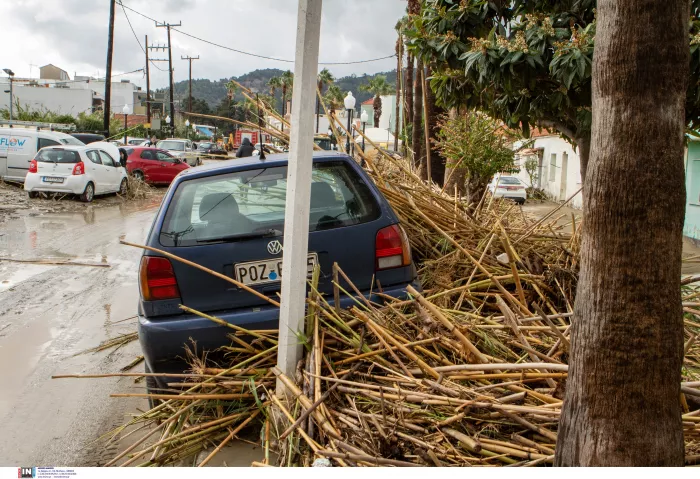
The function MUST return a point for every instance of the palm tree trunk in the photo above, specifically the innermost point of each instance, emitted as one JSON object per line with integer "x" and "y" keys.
{"x": 408, "y": 100}
{"x": 318, "y": 106}
{"x": 622, "y": 403}
{"x": 399, "y": 75}
{"x": 437, "y": 161}
{"x": 454, "y": 175}
{"x": 418, "y": 139}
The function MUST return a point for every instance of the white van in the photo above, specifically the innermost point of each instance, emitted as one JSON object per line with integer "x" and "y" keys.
{"x": 18, "y": 146}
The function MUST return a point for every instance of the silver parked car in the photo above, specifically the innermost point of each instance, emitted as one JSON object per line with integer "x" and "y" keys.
{"x": 180, "y": 148}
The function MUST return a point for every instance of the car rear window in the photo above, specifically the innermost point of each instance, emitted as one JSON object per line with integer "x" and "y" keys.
{"x": 221, "y": 208}
{"x": 58, "y": 156}
{"x": 172, "y": 145}
{"x": 71, "y": 141}
{"x": 508, "y": 180}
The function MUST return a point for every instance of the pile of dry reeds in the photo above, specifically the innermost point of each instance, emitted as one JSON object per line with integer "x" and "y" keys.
{"x": 470, "y": 371}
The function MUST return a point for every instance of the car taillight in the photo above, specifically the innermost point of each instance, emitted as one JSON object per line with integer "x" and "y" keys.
{"x": 33, "y": 168}
{"x": 392, "y": 248}
{"x": 79, "y": 168}
{"x": 157, "y": 279}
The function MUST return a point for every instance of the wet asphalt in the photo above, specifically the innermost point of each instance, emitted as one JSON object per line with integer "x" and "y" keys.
{"x": 50, "y": 314}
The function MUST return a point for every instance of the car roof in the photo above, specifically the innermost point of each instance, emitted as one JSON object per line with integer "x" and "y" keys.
{"x": 251, "y": 162}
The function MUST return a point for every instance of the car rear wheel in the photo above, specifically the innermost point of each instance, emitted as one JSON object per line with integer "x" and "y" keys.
{"x": 138, "y": 175}
{"x": 88, "y": 194}
{"x": 32, "y": 194}
{"x": 123, "y": 186}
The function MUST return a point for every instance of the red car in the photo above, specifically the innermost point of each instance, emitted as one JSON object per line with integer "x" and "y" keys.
{"x": 153, "y": 165}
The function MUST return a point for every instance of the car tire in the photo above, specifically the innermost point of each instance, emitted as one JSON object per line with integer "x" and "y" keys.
{"x": 151, "y": 387}
{"x": 89, "y": 194}
{"x": 198, "y": 162}
{"x": 32, "y": 194}
{"x": 138, "y": 175}
{"x": 123, "y": 187}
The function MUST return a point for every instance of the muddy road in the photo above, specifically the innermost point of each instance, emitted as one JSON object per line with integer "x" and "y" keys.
{"x": 48, "y": 314}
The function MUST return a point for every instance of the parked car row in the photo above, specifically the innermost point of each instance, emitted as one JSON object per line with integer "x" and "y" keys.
{"x": 83, "y": 164}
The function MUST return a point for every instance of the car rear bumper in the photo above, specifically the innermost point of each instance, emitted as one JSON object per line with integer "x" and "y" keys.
{"x": 519, "y": 196}
{"x": 74, "y": 184}
{"x": 163, "y": 338}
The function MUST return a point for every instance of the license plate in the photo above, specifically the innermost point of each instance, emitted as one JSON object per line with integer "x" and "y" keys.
{"x": 268, "y": 271}
{"x": 52, "y": 179}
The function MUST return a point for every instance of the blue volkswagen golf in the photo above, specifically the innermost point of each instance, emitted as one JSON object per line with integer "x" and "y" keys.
{"x": 229, "y": 217}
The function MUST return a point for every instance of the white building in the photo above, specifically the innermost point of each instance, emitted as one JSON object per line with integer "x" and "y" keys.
{"x": 82, "y": 94}
{"x": 67, "y": 101}
{"x": 559, "y": 167}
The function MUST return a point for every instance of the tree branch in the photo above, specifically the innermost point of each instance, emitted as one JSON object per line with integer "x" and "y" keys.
{"x": 559, "y": 126}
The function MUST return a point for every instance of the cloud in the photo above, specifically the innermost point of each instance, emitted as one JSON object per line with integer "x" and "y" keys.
{"x": 74, "y": 36}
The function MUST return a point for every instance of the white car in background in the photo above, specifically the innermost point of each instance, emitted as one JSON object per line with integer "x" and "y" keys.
{"x": 509, "y": 187}
{"x": 87, "y": 170}
{"x": 179, "y": 148}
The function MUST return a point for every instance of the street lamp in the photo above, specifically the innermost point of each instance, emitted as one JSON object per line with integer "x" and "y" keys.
{"x": 350, "y": 107}
{"x": 126, "y": 112}
{"x": 10, "y": 74}
{"x": 187, "y": 128}
{"x": 167, "y": 122}
{"x": 364, "y": 117}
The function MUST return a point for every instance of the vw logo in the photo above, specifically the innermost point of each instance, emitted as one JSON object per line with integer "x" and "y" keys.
{"x": 274, "y": 247}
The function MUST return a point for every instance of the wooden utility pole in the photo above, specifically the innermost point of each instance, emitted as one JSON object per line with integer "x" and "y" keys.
{"x": 148, "y": 86}
{"x": 170, "y": 66}
{"x": 189, "y": 58}
{"x": 108, "y": 73}
{"x": 296, "y": 220}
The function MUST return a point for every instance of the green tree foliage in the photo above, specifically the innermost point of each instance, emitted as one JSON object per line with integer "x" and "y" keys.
{"x": 532, "y": 166}
{"x": 528, "y": 63}
{"x": 325, "y": 77}
{"x": 334, "y": 97}
{"x": 524, "y": 62}
{"x": 378, "y": 86}
{"x": 478, "y": 144}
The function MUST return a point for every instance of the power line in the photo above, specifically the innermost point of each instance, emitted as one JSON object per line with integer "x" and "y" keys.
{"x": 136, "y": 37}
{"x": 255, "y": 54}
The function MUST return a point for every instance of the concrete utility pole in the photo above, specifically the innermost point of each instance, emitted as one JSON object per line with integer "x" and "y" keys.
{"x": 296, "y": 219}
{"x": 188, "y": 58}
{"x": 170, "y": 65}
{"x": 148, "y": 87}
{"x": 108, "y": 73}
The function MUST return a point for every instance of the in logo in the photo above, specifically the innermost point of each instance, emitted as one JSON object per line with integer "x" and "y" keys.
{"x": 26, "y": 472}
{"x": 274, "y": 247}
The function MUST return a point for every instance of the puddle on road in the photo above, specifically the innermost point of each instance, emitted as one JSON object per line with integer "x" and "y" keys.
{"x": 10, "y": 280}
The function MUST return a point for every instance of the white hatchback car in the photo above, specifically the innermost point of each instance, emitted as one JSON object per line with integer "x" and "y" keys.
{"x": 87, "y": 171}
{"x": 509, "y": 187}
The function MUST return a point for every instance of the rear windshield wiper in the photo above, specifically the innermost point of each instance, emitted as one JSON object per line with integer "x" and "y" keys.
{"x": 242, "y": 236}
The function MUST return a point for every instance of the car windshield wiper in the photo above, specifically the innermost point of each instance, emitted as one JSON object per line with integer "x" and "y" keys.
{"x": 243, "y": 236}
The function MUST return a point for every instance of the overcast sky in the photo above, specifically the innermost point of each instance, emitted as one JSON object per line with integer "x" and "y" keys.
{"x": 72, "y": 34}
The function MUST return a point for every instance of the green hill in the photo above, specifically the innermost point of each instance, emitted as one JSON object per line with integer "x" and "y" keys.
{"x": 212, "y": 92}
